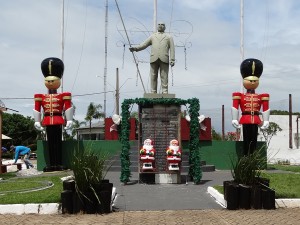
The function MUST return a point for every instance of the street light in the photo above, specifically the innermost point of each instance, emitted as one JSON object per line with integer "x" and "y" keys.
{"x": 297, "y": 132}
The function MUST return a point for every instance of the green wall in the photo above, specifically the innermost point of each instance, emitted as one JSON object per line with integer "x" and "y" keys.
{"x": 221, "y": 153}
{"x": 218, "y": 153}
{"x": 69, "y": 147}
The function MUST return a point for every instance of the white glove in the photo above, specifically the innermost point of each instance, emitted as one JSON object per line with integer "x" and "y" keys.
{"x": 236, "y": 124}
{"x": 266, "y": 116}
{"x": 69, "y": 125}
{"x": 265, "y": 125}
{"x": 38, "y": 126}
{"x": 234, "y": 115}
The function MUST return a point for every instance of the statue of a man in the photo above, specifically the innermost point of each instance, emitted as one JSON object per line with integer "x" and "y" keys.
{"x": 162, "y": 53}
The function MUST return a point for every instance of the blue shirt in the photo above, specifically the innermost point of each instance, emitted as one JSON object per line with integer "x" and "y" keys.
{"x": 21, "y": 150}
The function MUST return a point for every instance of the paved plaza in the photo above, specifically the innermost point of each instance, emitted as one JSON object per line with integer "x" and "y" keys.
{"x": 165, "y": 217}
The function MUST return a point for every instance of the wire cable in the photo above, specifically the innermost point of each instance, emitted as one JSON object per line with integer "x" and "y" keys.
{"x": 82, "y": 46}
{"x": 137, "y": 67}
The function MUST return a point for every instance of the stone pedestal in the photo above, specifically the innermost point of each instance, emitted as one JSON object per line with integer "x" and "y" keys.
{"x": 168, "y": 178}
{"x": 160, "y": 123}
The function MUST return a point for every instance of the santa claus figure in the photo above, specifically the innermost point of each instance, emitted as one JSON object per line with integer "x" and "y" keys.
{"x": 147, "y": 155}
{"x": 173, "y": 155}
{"x": 54, "y": 107}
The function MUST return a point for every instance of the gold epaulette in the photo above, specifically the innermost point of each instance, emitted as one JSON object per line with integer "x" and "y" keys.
{"x": 67, "y": 97}
{"x": 38, "y": 99}
{"x": 236, "y": 97}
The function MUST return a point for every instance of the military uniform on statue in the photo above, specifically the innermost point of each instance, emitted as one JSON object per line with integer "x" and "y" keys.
{"x": 54, "y": 105}
{"x": 250, "y": 104}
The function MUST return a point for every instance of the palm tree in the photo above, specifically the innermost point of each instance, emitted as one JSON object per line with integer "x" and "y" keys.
{"x": 93, "y": 113}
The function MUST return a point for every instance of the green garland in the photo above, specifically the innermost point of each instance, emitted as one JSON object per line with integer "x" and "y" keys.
{"x": 194, "y": 158}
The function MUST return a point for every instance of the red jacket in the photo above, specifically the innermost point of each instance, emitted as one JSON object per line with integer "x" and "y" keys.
{"x": 53, "y": 106}
{"x": 250, "y": 104}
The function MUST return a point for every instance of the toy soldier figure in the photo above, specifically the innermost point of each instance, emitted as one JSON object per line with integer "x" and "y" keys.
{"x": 54, "y": 105}
{"x": 250, "y": 104}
{"x": 162, "y": 44}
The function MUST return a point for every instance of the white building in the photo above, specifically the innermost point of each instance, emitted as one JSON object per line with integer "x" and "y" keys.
{"x": 279, "y": 148}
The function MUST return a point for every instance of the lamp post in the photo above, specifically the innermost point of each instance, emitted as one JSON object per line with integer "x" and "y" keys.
{"x": 297, "y": 132}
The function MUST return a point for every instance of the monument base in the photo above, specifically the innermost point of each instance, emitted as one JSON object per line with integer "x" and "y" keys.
{"x": 154, "y": 95}
{"x": 167, "y": 178}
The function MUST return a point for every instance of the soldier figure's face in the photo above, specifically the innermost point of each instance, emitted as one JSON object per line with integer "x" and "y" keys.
{"x": 52, "y": 84}
{"x": 250, "y": 84}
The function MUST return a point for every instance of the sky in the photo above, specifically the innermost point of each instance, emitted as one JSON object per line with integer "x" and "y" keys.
{"x": 207, "y": 35}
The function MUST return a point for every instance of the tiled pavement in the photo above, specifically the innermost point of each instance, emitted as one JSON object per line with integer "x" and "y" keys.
{"x": 208, "y": 217}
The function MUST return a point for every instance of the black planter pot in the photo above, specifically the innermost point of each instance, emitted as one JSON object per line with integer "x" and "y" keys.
{"x": 232, "y": 196}
{"x": 91, "y": 203}
{"x": 268, "y": 198}
{"x": 78, "y": 205}
{"x": 67, "y": 202}
{"x": 225, "y": 185}
{"x": 105, "y": 197}
{"x": 69, "y": 185}
{"x": 244, "y": 196}
{"x": 256, "y": 198}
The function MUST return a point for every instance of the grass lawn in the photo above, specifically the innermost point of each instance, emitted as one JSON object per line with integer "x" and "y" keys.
{"x": 11, "y": 188}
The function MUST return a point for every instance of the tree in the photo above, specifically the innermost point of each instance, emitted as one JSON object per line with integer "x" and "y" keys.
{"x": 93, "y": 113}
{"x": 72, "y": 134}
{"x": 20, "y": 129}
{"x": 215, "y": 136}
{"x": 270, "y": 132}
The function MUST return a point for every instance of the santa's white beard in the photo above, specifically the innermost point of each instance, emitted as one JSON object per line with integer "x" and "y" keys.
{"x": 148, "y": 147}
{"x": 175, "y": 148}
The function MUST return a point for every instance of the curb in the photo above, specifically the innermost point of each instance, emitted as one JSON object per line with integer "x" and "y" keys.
{"x": 43, "y": 208}
{"x": 19, "y": 209}
{"x": 280, "y": 203}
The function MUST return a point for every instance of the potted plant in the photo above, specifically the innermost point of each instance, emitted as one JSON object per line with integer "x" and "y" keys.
{"x": 244, "y": 190}
{"x": 92, "y": 192}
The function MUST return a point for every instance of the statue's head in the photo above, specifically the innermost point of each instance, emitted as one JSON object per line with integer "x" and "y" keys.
{"x": 251, "y": 70}
{"x": 52, "y": 69}
{"x": 161, "y": 26}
